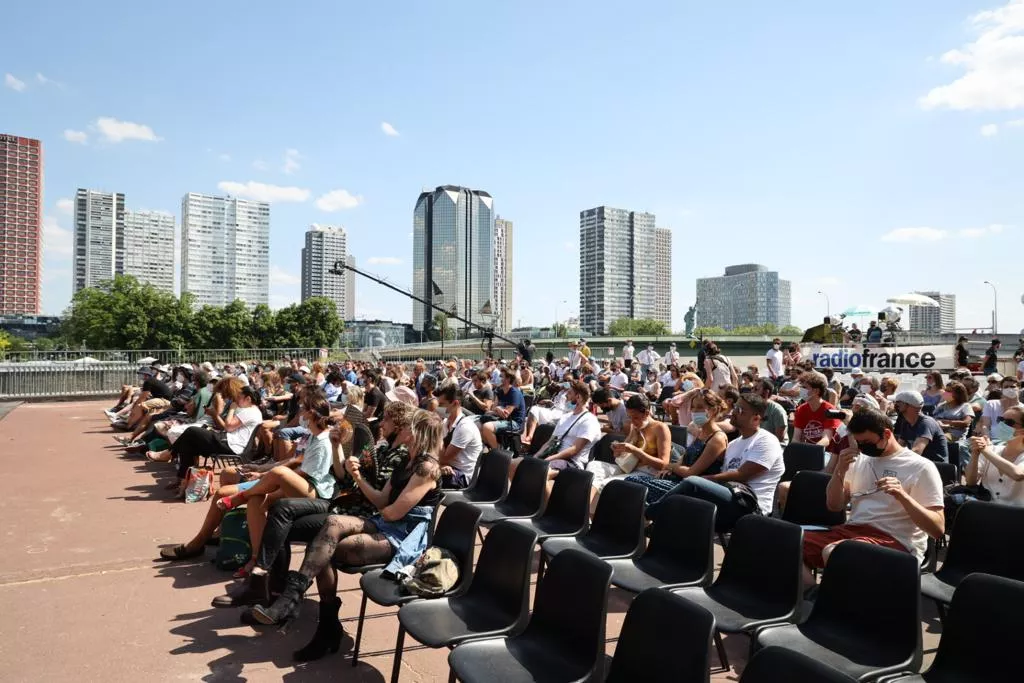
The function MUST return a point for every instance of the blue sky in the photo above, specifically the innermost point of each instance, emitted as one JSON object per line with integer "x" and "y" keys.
{"x": 863, "y": 149}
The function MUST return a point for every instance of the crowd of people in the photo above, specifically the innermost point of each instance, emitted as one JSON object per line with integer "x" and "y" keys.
{"x": 353, "y": 457}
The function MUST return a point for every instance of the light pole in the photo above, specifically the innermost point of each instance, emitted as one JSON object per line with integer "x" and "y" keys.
{"x": 995, "y": 307}
{"x": 828, "y": 304}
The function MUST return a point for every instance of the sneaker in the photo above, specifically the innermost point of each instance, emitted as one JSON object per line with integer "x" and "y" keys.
{"x": 110, "y": 413}
{"x": 120, "y": 424}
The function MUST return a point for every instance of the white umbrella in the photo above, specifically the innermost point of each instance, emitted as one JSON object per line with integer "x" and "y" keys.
{"x": 147, "y": 360}
{"x": 913, "y": 300}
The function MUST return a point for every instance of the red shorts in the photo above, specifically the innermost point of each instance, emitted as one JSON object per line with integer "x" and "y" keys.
{"x": 816, "y": 541}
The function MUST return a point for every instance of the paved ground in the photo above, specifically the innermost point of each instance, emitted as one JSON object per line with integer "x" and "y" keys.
{"x": 82, "y": 595}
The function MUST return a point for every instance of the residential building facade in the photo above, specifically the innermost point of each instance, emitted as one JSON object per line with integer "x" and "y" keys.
{"x": 931, "y": 319}
{"x": 503, "y": 272}
{"x": 663, "y": 276}
{"x": 149, "y": 248}
{"x": 21, "y": 224}
{"x": 225, "y": 249}
{"x": 326, "y": 244}
{"x": 99, "y": 237}
{"x": 746, "y": 295}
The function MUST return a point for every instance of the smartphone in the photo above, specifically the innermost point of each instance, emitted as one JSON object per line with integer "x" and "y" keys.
{"x": 836, "y": 414}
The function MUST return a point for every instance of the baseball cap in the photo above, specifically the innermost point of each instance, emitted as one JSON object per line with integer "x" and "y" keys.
{"x": 304, "y": 368}
{"x": 403, "y": 394}
{"x": 910, "y": 398}
{"x": 995, "y": 377}
{"x": 856, "y": 371}
{"x": 866, "y": 400}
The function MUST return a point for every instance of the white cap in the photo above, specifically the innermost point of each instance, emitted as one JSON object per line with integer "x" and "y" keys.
{"x": 856, "y": 371}
{"x": 304, "y": 368}
{"x": 995, "y": 377}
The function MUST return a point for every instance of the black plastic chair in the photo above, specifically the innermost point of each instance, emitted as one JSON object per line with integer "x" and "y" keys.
{"x": 664, "y": 639}
{"x": 680, "y": 552}
{"x": 805, "y": 504}
{"x": 223, "y": 459}
{"x": 617, "y": 531}
{"x": 947, "y": 473}
{"x": 679, "y": 435}
{"x": 986, "y": 538}
{"x": 496, "y": 603}
{"x": 980, "y": 635}
{"x": 802, "y": 456}
{"x": 456, "y": 533}
{"x": 525, "y": 496}
{"x": 760, "y": 582}
{"x": 565, "y": 639}
{"x": 541, "y": 435}
{"x": 779, "y": 665}
{"x": 602, "y": 449}
{"x": 490, "y": 482}
{"x": 866, "y": 621}
{"x": 568, "y": 507}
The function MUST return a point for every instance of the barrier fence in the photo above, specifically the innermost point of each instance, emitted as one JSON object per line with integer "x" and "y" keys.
{"x": 34, "y": 381}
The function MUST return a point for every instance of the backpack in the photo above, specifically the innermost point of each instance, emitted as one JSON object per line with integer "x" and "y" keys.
{"x": 234, "y": 549}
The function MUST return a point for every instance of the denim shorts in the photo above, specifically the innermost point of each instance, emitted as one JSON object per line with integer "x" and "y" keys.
{"x": 246, "y": 485}
{"x": 506, "y": 426}
{"x": 292, "y": 433}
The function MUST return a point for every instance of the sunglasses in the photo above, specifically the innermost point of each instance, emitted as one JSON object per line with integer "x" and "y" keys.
{"x": 1008, "y": 421}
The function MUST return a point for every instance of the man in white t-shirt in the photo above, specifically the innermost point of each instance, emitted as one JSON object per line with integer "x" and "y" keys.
{"x": 672, "y": 357}
{"x": 462, "y": 441}
{"x": 575, "y": 356}
{"x": 574, "y": 435}
{"x": 627, "y": 353}
{"x": 774, "y": 360}
{"x": 895, "y": 495}
{"x": 753, "y": 460}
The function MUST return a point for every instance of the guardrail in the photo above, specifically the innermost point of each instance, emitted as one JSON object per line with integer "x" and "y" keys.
{"x": 170, "y": 356}
{"x": 65, "y": 380}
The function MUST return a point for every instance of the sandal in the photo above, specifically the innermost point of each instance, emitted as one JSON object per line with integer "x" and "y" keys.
{"x": 180, "y": 552}
{"x": 230, "y": 502}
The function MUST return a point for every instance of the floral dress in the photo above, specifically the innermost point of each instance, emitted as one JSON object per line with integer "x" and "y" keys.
{"x": 376, "y": 464}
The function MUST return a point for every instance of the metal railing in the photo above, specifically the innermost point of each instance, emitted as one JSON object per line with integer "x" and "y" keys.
{"x": 169, "y": 356}
{"x": 66, "y": 380}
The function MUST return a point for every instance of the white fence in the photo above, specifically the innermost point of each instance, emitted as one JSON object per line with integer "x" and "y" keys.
{"x": 64, "y": 380}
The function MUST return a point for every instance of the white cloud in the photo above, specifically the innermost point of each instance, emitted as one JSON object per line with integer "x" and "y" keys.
{"x": 291, "y": 161}
{"x": 338, "y": 200}
{"x": 1016, "y": 123}
{"x": 58, "y": 242}
{"x": 13, "y": 83}
{"x": 278, "y": 301}
{"x": 994, "y": 229}
{"x": 43, "y": 80}
{"x": 224, "y": 157}
{"x": 280, "y": 276}
{"x": 65, "y": 205}
{"x": 388, "y": 129}
{"x": 260, "y": 165}
{"x": 384, "y": 261}
{"x": 922, "y": 234}
{"x": 989, "y": 130}
{"x": 77, "y": 136}
{"x": 993, "y": 64}
{"x": 119, "y": 131}
{"x": 263, "y": 192}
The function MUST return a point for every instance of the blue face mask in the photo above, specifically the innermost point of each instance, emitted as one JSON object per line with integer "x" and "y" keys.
{"x": 1002, "y": 432}
{"x": 700, "y": 419}
{"x": 687, "y": 385}
{"x": 571, "y": 405}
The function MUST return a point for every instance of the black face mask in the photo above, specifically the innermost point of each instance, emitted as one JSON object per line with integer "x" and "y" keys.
{"x": 872, "y": 450}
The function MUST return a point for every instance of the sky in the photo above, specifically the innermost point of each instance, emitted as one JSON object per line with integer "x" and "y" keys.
{"x": 863, "y": 150}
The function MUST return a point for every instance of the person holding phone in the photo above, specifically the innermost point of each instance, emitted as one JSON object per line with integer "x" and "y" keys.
{"x": 811, "y": 422}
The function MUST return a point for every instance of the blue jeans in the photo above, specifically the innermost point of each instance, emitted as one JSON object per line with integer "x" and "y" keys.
{"x": 721, "y": 496}
{"x": 292, "y": 433}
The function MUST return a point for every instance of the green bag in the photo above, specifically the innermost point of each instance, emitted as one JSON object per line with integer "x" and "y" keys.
{"x": 234, "y": 549}
{"x": 159, "y": 444}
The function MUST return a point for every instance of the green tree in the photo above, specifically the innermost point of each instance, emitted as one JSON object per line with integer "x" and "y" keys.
{"x": 320, "y": 323}
{"x": 791, "y": 331}
{"x": 441, "y": 328}
{"x": 712, "y": 331}
{"x": 264, "y": 327}
{"x": 560, "y": 330}
{"x": 640, "y": 327}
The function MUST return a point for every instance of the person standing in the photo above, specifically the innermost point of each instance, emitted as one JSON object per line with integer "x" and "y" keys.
{"x": 648, "y": 358}
{"x": 575, "y": 356}
{"x": 775, "y": 360}
{"x": 627, "y": 354}
{"x": 960, "y": 350}
{"x": 991, "y": 362}
{"x": 672, "y": 357}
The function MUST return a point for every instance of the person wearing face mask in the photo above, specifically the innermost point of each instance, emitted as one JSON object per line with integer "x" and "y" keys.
{"x": 989, "y": 425}
{"x": 811, "y": 423}
{"x": 672, "y": 357}
{"x": 617, "y": 379}
{"x": 917, "y": 431}
{"x": 574, "y": 435}
{"x": 509, "y": 415}
{"x": 1000, "y": 469}
{"x": 652, "y": 387}
{"x": 774, "y": 360}
{"x": 677, "y": 408}
{"x": 648, "y": 358}
{"x": 614, "y": 418}
{"x": 645, "y": 450}
{"x": 895, "y": 496}
{"x": 627, "y": 353}
{"x": 462, "y": 442}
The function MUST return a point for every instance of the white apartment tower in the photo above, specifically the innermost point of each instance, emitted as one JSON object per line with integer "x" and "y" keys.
{"x": 149, "y": 248}
{"x": 99, "y": 237}
{"x": 663, "y": 276}
{"x": 225, "y": 249}
{"x": 931, "y": 319}
{"x": 326, "y": 244}
{"x": 503, "y": 272}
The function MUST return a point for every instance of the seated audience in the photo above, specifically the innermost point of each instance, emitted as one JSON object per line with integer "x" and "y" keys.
{"x": 462, "y": 441}
{"x": 917, "y": 431}
{"x": 509, "y": 415}
{"x": 645, "y": 450}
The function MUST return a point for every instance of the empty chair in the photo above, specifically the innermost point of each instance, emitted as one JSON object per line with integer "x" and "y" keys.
{"x": 541, "y": 435}
{"x": 525, "y": 496}
{"x": 568, "y": 506}
{"x": 981, "y": 634}
{"x": 456, "y": 533}
{"x": 866, "y": 621}
{"x": 490, "y": 482}
{"x": 664, "y": 639}
{"x": 805, "y": 504}
{"x": 497, "y": 601}
{"x": 680, "y": 552}
{"x": 987, "y": 538}
{"x": 616, "y": 532}
{"x": 779, "y": 665}
{"x": 802, "y": 456}
{"x": 564, "y": 640}
{"x": 760, "y": 581}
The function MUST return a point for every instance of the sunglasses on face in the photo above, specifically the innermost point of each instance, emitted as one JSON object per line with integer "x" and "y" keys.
{"x": 1008, "y": 421}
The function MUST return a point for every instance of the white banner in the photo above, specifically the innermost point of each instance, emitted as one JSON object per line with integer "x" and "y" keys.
{"x": 881, "y": 358}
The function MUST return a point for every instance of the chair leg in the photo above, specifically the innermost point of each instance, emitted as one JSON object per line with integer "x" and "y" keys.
{"x": 941, "y": 608}
{"x": 399, "y": 643}
{"x": 480, "y": 534}
{"x": 359, "y": 632}
{"x": 720, "y": 646}
{"x": 451, "y": 675}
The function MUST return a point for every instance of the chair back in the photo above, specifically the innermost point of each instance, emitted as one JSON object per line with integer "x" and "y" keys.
{"x": 456, "y": 533}
{"x": 619, "y": 517}
{"x": 802, "y": 456}
{"x": 502, "y": 576}
{"x": 981, "y": 631}
{"x": 781, "y": 665}
{"x": 764, "y": 561}
{"x": 947, "y": 472}
{"x": 987, "y": 538}
{"x": 602, "y": 449}
{"x": 571, "y": 608}
{"x": 570, "y": 497}
{"x": 679, "y": 435}
{"x": 541, "y": 435}
{"x": 492, "y": 478}
{"x": 683, "y": 535}
{"x": 529, "y": 485}
{"x": 664, "y": 639}
{"x": 806, "y": 501}
{"x": 871, "y": 594}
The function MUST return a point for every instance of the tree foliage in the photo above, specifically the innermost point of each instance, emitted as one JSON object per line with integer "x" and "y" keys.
{"x": 640, "y": 327}
{"x": 441, "y": 329}
{"x": 125, "y": 314}
{"x": 766, "y": 330}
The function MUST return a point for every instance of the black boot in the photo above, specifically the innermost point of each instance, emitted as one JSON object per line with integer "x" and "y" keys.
{"x": 286, "y": 607}
{"x": 256, "y": 592}
{"x": 328, "y": 633}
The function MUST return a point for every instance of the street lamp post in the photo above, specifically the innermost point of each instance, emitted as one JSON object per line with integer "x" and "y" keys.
{"x": 995, "y": 307}
{"x": 828, "y": 304}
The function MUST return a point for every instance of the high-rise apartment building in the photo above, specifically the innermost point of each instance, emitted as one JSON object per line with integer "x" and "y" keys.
{"x": 326, "y": 244}
{"x": 453, "y": 255}
{"x": 618, "y": 267}
{"x": 503, "y": 272}
{"x": 932, "y": 319}
{"x": 746, "y": 295}
{"x": 21, "y": 224}
{"x": 225, "y": 249}
{"x": 149, "y": 248}
{"x": 99, "y": 237}
{"x": 663, "y": 276}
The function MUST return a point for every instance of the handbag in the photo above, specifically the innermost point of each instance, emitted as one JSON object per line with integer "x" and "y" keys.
{"x": 744, "y": 497}
{"x": 198, "y": 484}
{"x": 627, "y": 463}
{"x": 555, "y": 445}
